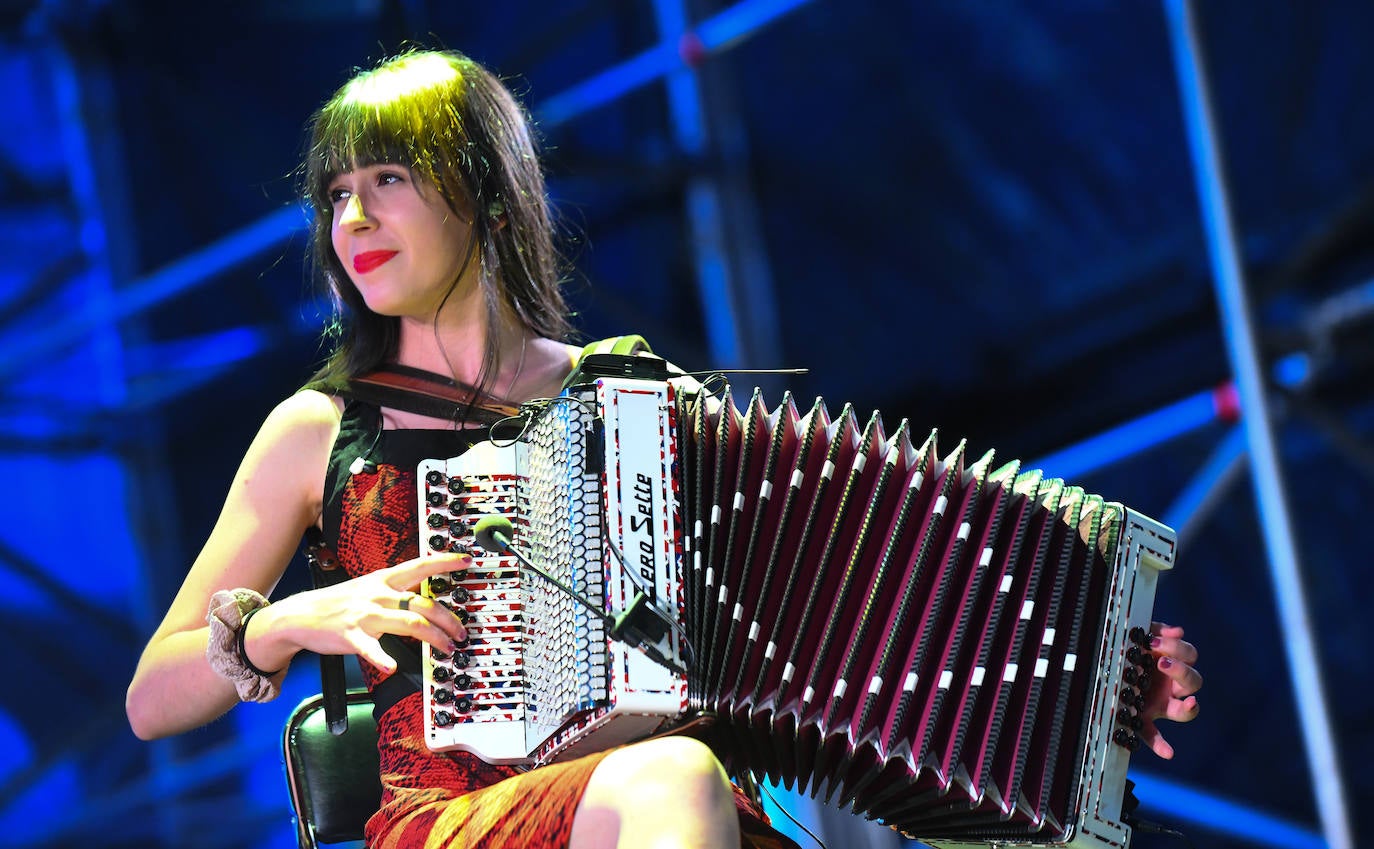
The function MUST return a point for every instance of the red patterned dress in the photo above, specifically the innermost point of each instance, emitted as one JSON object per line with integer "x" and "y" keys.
{"x": 445, "y": 799}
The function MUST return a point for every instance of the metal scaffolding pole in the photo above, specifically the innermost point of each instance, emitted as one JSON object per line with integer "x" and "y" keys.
{"x": 733, "y": 278}
{"x": 1266, "y": 475}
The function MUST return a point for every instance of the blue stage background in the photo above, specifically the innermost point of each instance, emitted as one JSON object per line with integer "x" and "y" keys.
{"x": 981, "y": 216}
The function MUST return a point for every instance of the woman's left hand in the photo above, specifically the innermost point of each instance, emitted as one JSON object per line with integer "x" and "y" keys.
{"x": 1171, "y": 694}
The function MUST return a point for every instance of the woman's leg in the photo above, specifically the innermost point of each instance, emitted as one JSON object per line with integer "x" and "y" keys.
{"x": 669, "y": 793}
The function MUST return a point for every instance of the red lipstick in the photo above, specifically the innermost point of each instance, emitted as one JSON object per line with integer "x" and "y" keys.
{"x": 369, "y": 260}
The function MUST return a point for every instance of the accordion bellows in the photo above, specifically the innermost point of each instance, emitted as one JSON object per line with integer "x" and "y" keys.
{"x": 953, "y": 647}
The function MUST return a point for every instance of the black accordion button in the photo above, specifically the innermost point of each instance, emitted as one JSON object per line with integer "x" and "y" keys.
{"x": 1124, "y": 738}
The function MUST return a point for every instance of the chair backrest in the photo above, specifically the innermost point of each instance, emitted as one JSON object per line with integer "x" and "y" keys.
{"x": 333, "y": 779}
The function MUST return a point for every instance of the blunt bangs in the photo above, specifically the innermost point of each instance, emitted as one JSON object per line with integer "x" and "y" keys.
{"x": 402, "y": 113}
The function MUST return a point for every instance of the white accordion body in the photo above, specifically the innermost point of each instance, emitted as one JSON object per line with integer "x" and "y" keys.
{"x": 539, "y": 679}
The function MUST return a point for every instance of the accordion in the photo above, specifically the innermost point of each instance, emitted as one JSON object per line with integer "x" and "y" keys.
{"x": 955, "y": 648}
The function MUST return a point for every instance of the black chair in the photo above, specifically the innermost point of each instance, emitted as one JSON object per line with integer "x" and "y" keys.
{"x": 333, "y": 779}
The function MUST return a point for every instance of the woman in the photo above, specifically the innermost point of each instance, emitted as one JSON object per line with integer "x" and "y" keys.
{"x": 432, "y": 229}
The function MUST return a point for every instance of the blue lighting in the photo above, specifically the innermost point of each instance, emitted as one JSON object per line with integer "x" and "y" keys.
{"x": 180, "y": 276}
{"x": 1224, "y": 816}
{"x": 1130, "y": 438}
{"x": 609, "y": 85}
{"x": 1293, "y": 370}
{"x": 722, "y": 30}
{"x": 742, "y": 20}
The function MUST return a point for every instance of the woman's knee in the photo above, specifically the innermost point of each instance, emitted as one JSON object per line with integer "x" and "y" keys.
{"x": 670, "y": 777}
{"x": 671, "y": 767}
{"x": 669, "y": 792}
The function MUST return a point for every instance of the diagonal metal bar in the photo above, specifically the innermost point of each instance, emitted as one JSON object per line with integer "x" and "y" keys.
{"x": 722, "y": 31}
{"x": 176, "y": 278}
{"x": 1225, "y": 816}
{"x": 1132, "y": 437}
{"x": 40, "y": 287}
{"x": 62, "y": 595}
{"x": 1266, "y": 475}
{"x": 1205, "y": 489}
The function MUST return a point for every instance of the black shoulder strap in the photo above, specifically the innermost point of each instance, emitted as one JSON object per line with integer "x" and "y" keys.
{"x": 324, "y": 571}
{"x": 359, "y": 427}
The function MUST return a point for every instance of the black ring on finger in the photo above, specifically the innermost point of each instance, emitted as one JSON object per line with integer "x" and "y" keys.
{"x": 405, "y": 602}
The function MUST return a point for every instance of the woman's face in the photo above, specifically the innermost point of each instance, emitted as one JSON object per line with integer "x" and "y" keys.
{"x": 397, "y": 239}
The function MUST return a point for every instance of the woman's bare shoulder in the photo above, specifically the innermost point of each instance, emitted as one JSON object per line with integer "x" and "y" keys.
{"x": 306, "y": 418}
{"x": 309, "y": 407}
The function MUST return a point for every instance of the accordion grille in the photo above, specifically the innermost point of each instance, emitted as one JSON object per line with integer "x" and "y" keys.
{"x": 565, "y": 647}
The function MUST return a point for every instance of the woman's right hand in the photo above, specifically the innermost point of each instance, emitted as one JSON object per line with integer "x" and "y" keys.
{"x": 350, "y": 617}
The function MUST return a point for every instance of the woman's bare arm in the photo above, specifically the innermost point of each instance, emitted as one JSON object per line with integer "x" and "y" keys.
{"x": 276, "y": 493}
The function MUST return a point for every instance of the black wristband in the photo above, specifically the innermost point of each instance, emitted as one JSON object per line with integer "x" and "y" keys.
{"x": 243, "y": 650}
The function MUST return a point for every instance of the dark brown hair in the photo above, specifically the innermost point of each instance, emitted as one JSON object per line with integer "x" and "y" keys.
{"x": 455, "y": 125}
